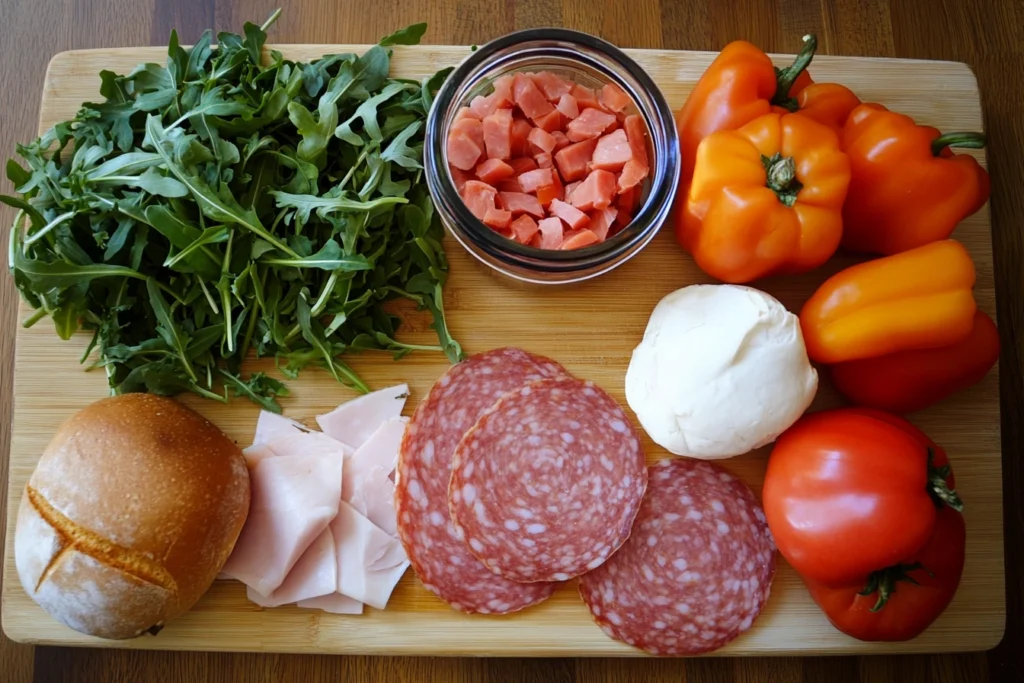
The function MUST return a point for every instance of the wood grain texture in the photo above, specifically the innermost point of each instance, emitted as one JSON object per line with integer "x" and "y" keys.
{"x": 987, "y": 34}
{"x": 592, "y": 329}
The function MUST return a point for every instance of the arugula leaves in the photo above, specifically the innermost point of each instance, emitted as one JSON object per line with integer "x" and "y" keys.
{"x": 217, "y": 205}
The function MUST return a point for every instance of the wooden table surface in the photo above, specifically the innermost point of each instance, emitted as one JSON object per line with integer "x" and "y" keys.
{"x": 987, "y": 34}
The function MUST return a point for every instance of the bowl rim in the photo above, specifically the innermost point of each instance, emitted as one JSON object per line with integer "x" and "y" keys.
{"x": 666, "y": 165}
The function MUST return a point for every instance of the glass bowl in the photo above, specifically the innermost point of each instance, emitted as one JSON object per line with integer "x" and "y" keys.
{"x": 584, "y": 59}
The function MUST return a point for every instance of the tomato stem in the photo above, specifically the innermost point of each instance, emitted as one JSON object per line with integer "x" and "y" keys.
{"x": 938, "y": 489}
{"x": 884, "y": 582}
{"x": 966, "y": 140}
{"x": 785, "y": 78}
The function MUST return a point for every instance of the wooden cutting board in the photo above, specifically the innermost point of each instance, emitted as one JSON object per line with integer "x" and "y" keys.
{"x": 591, "y": 328}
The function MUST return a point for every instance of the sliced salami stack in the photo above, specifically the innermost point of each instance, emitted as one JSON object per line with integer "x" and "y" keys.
{"x": 513, "y": 476}
{"x": 695, "y": 572}
{"x": 546, "y": 485}
{"x": 440, "y": 558}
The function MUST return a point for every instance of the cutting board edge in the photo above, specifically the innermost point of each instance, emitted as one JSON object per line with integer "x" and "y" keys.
{"x": 330, "y": 48}
{"x": 991, "y": 640}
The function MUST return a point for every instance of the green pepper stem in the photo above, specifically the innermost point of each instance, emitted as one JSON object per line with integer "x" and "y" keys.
{"x": 966, "y": 140}
{"x": 787, "y": 77}
{"x": 781, "y": 177}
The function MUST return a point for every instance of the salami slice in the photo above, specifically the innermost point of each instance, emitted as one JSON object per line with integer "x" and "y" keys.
{"x": 440, "y": 558}
{"x": 547, "y": 483}
{"x": 696, "y": 571}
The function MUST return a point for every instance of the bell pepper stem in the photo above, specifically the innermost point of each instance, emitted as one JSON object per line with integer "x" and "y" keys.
{"x": 787, "y": 77}
{"x": 781, "y": 178}
{"x": 966, "y": 140}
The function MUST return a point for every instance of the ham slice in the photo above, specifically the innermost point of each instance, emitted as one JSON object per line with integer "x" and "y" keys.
{"x": 270, "y": 426}
{"x": 366, "y": 483}
{"x": 256, "y": 452}
{"x": 370, "y": 561}
{"x": 314, "y": 575}
{"x": 309, "y": 443}
{"x": 354, "y": 422}
{"x": 294, "y": 498}
{"x": 375, "y": 499}
{"x": 380, "y": 450}
{"x": 335, "y": 603}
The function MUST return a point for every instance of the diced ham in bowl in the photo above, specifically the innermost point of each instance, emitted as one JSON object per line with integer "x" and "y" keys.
{"x": 550, "y": 163}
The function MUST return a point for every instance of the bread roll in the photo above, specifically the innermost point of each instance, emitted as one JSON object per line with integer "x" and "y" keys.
{"x": 130, "y": 514}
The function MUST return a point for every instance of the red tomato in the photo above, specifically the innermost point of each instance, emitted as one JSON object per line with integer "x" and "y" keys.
{"x": 907, "y": 598}
{"x": 852, "y": 491}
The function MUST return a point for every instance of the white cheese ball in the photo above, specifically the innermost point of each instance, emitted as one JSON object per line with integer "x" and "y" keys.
{"x": 721, "y": 370}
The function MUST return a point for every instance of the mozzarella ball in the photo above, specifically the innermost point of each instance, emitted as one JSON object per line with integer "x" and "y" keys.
{"x": 721, "y": 370}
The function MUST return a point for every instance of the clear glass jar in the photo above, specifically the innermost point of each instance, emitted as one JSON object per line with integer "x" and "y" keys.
{"x": 583, "y": 59}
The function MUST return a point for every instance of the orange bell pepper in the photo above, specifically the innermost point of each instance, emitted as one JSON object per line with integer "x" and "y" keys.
{"x": 743, "y": 84}
{"x": 907, "y": 381}
{"x": 827, "y": 103}
{"x": 765, "y": 199}
{"x": 918, "y": 299}
{"x": 907, "y": 188}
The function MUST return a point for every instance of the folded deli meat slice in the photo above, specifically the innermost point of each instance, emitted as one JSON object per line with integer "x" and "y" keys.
{"x": 375, "y": 499}
{"x": 309, "y": 443}
{"x": 315, "y": 574}
{"x": 335, "y": 603}
{"x": 366, "y": 484}
{"x": 256, "y": 452}
{"x": 294, "y": 498}
{"x": 355, "y": 421}
{"x": 270, "y": 426}
{"x": 370, "y": 561}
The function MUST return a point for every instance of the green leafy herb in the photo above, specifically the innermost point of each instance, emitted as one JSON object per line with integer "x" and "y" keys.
{"x": 409, "y": 35}
{"x": 217, "y": 206}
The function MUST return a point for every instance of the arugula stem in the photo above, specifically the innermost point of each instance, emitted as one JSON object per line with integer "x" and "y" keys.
{"x": 177, "y": 122}
{"x": 270, "y": 20}
{"x": 36, "y": 316}
{"x": 209, "y": 297}
{"x": 402, "y": 293}
{"x": 225, "y": 294}
{"x": 12, "y": 240}
{"x": 321, "y": 301}
{"x": 36, "y": 236}
{"x": 168, "y": 290}
{"x": 250, "y": 329}
{"x": 413, "y": 347}
{"x": 277, "y": 219}
{"x": 91, "y": 346}
{"x": 339, "y": 320}
{"x": 352, "y": 170}
{"x": 357, "y": 383}
{"x": 207, "y": 394}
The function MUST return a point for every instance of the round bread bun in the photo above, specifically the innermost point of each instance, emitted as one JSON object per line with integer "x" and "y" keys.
{"x": 129, "y": 516}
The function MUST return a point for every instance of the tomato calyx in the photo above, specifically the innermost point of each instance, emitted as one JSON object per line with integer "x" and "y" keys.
{"x": 938, "y": 489}
{"x": 884, "y": 582}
